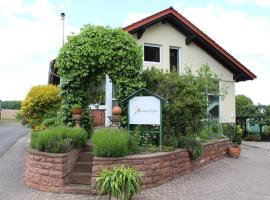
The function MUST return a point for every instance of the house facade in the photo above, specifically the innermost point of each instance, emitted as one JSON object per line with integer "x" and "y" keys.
{"x": 171, "y": 42}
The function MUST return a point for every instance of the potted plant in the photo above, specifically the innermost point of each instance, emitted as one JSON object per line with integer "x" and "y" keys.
{"x": 234, "y": 151}
{"x": 76, "y": 109}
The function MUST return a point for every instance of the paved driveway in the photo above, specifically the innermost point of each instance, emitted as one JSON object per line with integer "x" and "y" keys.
{"x": 10, "y": 132}
{"x": 247, "y": 178}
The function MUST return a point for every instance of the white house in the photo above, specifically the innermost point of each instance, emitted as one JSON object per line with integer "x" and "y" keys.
{"x": 169, "y": 42}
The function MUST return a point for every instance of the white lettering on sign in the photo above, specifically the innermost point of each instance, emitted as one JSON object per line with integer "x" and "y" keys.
{"x": 144, "y": 110}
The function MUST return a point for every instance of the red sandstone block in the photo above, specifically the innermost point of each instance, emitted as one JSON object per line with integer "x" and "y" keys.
{"x": 155, "y": 166}
{"x": 142, "y": 167}
{"x": 136, "y": 162}
{"x": 36, "y": 178}
{"x": 58, "y": 174}
{"x": 146, "y": 180}
{"x": 39, "y": 158}
{"x": 166, "y": 164}
{"x": 58, "y": 182}
{"x": 43, "y": 172}
{"x": 46, "y": 165}
{"x": 60, "y": 167}
{"x": 148, "y": 173}
{"x": 56, "y": 159}
{"x": 45, "y": 180}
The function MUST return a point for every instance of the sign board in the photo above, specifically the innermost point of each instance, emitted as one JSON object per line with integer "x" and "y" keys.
{"x": 144, "y": 110}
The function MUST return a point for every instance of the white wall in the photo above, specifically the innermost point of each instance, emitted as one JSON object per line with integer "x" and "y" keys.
{"x": 193, "y": 56}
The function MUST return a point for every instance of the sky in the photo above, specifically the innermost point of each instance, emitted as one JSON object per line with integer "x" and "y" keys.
{"x": 31, "y": 34}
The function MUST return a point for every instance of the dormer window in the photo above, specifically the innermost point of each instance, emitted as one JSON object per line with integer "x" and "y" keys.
{"x": 152, "y": 53}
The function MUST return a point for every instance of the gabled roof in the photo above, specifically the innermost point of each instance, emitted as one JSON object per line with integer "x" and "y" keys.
{"x": 193, "y": 34}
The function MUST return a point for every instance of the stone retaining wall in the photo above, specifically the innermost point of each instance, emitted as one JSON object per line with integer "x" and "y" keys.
{"x": 161, "y": 167}
{"x": 47, "y": 171}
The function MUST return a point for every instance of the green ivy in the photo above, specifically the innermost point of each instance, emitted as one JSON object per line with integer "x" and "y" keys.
{"x": 94, "y": 51}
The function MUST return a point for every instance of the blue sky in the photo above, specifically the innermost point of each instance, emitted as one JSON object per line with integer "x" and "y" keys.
{"x": 31, "y": 34}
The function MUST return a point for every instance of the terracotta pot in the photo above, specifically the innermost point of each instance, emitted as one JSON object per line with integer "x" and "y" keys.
{"x": 77, "y": 111}
{"x": 116, "y": 110}
{"x": 234, "y": 152}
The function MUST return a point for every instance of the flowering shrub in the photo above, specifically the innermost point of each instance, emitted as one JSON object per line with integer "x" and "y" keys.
{"x": 39, "y": 101}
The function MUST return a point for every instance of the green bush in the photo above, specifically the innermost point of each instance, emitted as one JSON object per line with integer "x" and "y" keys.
{"x": 234, "y": 132}
{"x": 40, "y": 101}
{"x": 167, "y": 148}
{"x": 185, "y": 99}
{"x": 204, "y": 134}
{"x": 238, "y": 135}
{"x": 255, "y": 137}
{"x": 134, "y": 143}
{"x": 60, "y": 139}
{"x": 110, "y": 142}
{"x": 170, "y": 141}
{"x": 122, "y": 183}
{"x": 52, "y": 122}
{"x": 193, "y": 145}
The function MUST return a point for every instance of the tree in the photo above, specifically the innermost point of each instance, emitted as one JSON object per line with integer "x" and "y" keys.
{"x": 244, "y": 106}
{"x": 13, "y": 105}
{"x": 261, "y": 116}
{"x": 39, "y": 101}
{"x": 186, "y": 104}
{"x": 244, "y": 110}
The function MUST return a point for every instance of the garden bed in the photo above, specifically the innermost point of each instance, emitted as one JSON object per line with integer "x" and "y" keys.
{"x": 49, "y": 171}
{"x": 161, "y": 167}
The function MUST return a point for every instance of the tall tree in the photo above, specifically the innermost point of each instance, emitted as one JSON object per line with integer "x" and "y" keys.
{"x": 244, "y": 106}
{"x": 244, "y": 110}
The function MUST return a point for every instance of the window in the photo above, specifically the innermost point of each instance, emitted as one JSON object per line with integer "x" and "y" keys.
{"x": 152, "y": 53}
{"x": 213, "y": 106}
{"x": 174, "y": 59}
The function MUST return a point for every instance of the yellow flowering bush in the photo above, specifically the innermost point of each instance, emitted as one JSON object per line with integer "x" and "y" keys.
{"x": 39, "y": 101}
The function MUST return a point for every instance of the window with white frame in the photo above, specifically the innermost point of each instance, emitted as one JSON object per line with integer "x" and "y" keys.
{"x": 213, "y": 106}
{"x": 152, "y": 53}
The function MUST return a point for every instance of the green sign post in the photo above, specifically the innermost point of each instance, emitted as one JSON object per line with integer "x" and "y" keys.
{"x": 145, "y": 108}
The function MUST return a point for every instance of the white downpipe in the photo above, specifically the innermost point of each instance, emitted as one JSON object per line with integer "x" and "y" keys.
{"x": 108, "y": 100}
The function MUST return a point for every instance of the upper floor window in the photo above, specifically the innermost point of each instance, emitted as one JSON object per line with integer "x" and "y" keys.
{"x": 152, "y": 53}
{"x": 175, "y": 59}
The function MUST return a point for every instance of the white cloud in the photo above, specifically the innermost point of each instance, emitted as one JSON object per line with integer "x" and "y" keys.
{"x": 31, "y": 35}
{"x": 245, "y": 37}
{"x": 261, "y": 3}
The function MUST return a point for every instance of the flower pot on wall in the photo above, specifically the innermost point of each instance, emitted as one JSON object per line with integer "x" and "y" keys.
{"x": 116, "y": 110}
{"x": 77, "y": 111}
{"x": 234, "y": 151}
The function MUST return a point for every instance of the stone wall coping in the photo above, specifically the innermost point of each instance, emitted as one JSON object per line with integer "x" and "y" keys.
{"x": 153, "y": 155}
{"x": 140, "y": 156}
{"x": 53, "y": 155}
{"x": 215, "y": 141}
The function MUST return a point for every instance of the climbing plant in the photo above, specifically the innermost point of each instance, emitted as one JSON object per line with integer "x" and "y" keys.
{"x": 94, "y": 51}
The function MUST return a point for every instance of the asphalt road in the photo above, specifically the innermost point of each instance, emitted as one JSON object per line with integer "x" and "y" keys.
{"x": 10, "y": 132}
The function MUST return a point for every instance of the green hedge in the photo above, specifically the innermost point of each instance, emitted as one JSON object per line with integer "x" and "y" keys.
{"x": 61, "y": 139}
{"x": 193, "y": 145}
{"x": 112, "y": 142}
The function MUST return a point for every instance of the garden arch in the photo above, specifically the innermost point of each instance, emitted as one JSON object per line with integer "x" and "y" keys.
{"x": 94, "y": 51}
